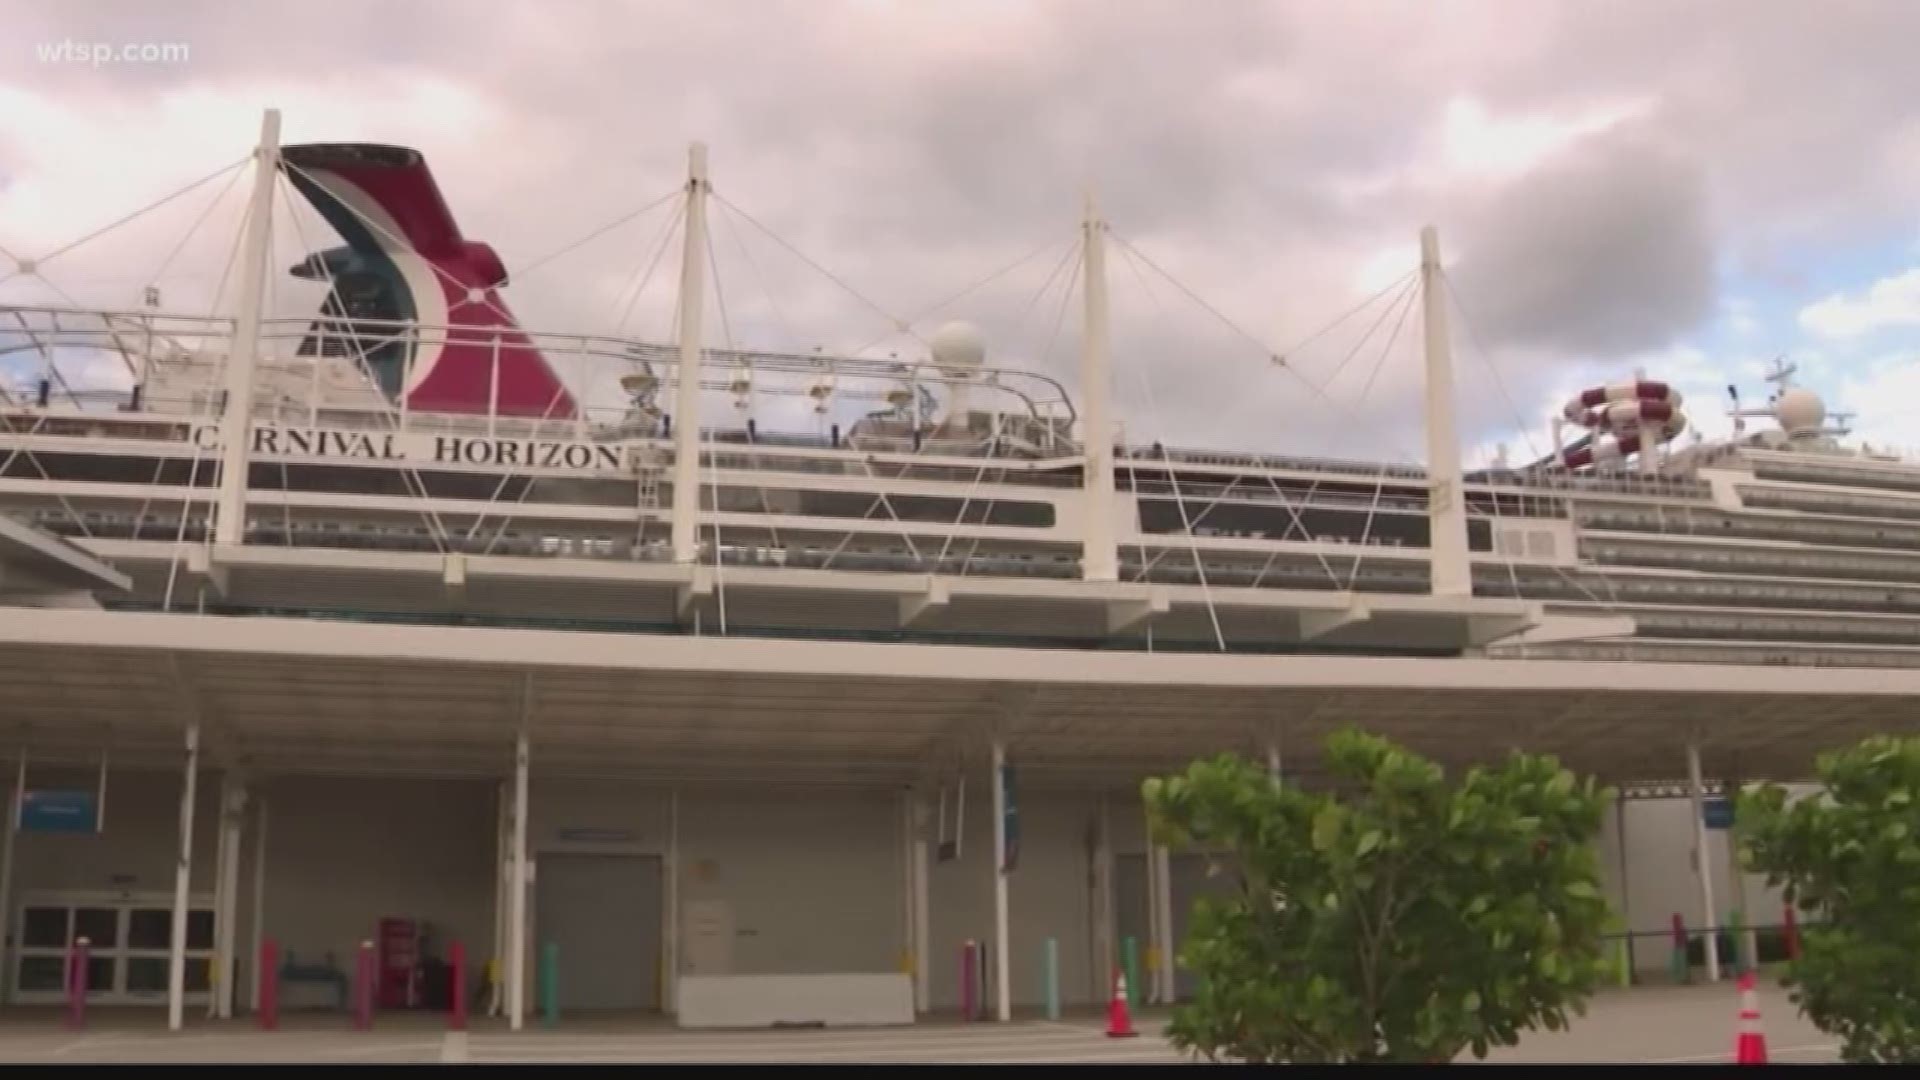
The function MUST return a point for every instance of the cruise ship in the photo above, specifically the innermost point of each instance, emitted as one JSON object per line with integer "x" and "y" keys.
{"x": 412, "y": 414}
{"x": 455, "y": 597}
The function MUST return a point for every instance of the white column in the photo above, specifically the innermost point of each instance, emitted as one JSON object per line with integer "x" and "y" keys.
{"x": 226, "y": 919}
{"x": 502, "y": 881}
{"x": 686, "y": 410}
{"x": 1164, "y": 879}
{"x": 1626, "y": 896}
{"x": 100, "y": 798}
{"x": 221, "y": 853}
{"x": 182, "y": 875}
{"x": 922, "y": 925}
{"x": 670, "y": 940}
{"x": 1702, "y": 866}
{"x": 1151, "y": 862}
{"x": 242, "y": 353}
{"x": 1747, "y": 945}
{"x": 1447, "y": 506}
{"x": 1100, "y": 554}
{"x": 1002, "y": 951}
{"x": 517, "y": 893}
{"x": 259, "y": 921}
{"x": 917, "y": 871}
{"x": 1273, "y": 760}
{"x": 6, "y": 876}
{"x": 1105, "y": 946}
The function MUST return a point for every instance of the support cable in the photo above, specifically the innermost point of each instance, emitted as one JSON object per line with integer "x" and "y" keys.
{"x": 521, "y": 273}
{"x": 23, "y": 266}
{"x": 1153, "y": 411}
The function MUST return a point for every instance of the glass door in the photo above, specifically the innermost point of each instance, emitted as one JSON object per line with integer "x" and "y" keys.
{"x": 128, "y": 939}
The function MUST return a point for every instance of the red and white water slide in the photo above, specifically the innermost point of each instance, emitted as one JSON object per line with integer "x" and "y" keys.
{"x": 1620, "y": 418}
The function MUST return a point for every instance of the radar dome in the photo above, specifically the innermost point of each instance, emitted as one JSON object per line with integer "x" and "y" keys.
{"x": 959, "y": 345}
{"x": 1800, "y": 410}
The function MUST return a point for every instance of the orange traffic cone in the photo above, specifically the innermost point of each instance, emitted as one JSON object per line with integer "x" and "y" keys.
{"x": 1119, "y": 1024}
{"x": 1750, "y": 1046}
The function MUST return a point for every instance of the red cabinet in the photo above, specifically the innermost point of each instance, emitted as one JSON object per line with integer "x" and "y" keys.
{"x": 397, "y": 972}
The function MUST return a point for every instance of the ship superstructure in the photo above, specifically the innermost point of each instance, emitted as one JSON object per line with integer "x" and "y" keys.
{"x": 412, "y": 415}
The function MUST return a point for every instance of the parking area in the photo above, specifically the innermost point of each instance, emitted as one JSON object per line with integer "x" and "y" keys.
{"x": 1664, "y": 1025}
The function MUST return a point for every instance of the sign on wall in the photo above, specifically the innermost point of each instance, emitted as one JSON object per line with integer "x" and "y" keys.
{"x": 59, "y": 811}
{"x": 1717, "y": 813}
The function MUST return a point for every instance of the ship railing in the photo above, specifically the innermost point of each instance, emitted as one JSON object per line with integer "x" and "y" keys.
{"x": 1145, "y": 454}
{"x": 149, "y": 355}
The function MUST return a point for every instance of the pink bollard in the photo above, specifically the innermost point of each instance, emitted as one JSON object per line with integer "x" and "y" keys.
{"x": 969, "y": 991}
{"x": 363, "y": 987}
{"x": 77, "y": 984}
{"x": 269, "y": 984}
{"x": 457, "y": 993}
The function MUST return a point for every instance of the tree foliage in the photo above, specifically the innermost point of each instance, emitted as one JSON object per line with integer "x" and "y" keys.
{"x": 1851, "y": 856}
{"x": 1395, "y": 918}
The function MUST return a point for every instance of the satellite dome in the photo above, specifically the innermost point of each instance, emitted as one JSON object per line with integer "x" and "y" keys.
{"x": 958, "y": 345}
{"x": 1800, "y": 410}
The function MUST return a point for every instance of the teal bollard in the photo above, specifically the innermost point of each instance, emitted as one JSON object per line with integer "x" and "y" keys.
{"x": 1131, "y": 962}
{"x": 1053, "y": 979}
{"x": 550, "y": 983}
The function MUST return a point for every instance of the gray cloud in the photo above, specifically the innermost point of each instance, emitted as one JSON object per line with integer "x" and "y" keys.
{"x": 1607, "y": 251}
{"x": 911, "y": 147}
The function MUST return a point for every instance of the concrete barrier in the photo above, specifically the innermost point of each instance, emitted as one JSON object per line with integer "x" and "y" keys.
{"x": 758, "y": 1001}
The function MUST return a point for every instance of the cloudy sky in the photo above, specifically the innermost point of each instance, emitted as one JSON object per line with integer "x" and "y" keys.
{"x": 1689, "y": 188}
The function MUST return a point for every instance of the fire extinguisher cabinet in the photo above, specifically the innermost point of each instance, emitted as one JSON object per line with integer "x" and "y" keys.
{"x": 399, "y": 965}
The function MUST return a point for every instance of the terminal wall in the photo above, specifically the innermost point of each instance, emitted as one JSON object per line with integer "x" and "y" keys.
{"x": 137, "y": 849}
{"x": 1049, "y": 895}
{"x": 813, "y": 880}
{"x": 344, "y": 853}
{"x": 1660, "y": 878}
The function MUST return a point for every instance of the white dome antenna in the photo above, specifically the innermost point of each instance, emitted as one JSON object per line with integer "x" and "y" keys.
{"x": 959, "y": 350}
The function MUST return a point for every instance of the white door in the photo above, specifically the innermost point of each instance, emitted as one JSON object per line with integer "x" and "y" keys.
{"x": 709, "y": 937}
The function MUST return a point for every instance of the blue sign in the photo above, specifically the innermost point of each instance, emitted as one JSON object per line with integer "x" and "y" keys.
{"x": 1717, "y": 813}
{"x": 58, "y": 811}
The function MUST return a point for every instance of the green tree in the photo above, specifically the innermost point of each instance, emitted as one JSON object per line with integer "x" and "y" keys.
{"x": 1395, "y": 917}
{"x": 1851, "y": 856}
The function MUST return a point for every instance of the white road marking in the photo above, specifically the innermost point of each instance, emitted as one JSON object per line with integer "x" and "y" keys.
{"x": 453, "y": 1048}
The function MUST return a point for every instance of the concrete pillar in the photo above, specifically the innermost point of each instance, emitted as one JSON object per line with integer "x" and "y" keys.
{"x": 920, "y": 902}
{"x": 182, "y": 875}
{"x": 1163, "y": 879}
{"x": 517, "y": 894}
{"x": 226, "y": 910}
{"x": 1703, "y": 866}
{"x": 670, "y": 942}
{"x": 1002, "y": 948}
{"x": 14, "y": 798}
{"x": 259, "y": 901}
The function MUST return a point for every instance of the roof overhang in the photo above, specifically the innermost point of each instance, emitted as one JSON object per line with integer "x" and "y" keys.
{"x": 303, "y": 695}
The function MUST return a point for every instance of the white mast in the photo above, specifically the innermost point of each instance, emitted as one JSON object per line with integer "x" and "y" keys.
{"x": 230, "y": 520}
{"x": 686, "y": 411}
{"x": 1446, "y": 505}
{"x": 1100, "y": 558}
